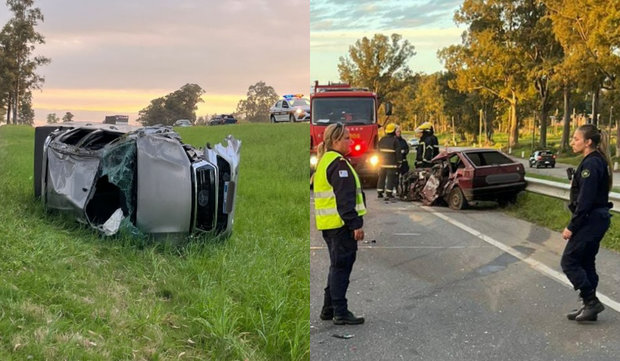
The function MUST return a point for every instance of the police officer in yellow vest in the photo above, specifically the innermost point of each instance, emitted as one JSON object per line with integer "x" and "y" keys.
{"x": 339, "y": 207}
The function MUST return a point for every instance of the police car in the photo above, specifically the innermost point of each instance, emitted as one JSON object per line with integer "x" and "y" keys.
{"x": 291, "y": 108}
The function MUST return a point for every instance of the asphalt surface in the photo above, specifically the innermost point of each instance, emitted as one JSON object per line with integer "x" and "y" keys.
{"x": 438, "y": 284}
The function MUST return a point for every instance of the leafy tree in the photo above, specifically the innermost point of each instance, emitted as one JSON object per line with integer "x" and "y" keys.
{"x": 52, "y": 118}
{"x": 260, "y": 97}
{"x": 18, "y": 40}
{"x": 589, "y": 33}
{"x": 543, "y": 56}
{"x": 67, "y": 117}
{"x": 379, "y": 64}
{"x": 26, "y": 113}
{"x": 491, "y": 58}
{"x": 180, "y": 104}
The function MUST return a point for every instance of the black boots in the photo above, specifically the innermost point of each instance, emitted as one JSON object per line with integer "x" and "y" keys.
{"x": 327, "y": 313}
{"x": 589, "y": 310}
{"x": 348, "y": 319}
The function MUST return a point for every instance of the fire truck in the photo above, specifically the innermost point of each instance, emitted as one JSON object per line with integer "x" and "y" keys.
{"x": 357, "y": 109}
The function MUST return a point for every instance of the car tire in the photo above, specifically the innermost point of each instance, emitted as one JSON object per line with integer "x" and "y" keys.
{"x": 273, "y": 119}
{"x": 553, "y": 166}
{"x": 291, "y": 118}
{"x": 531, "y": 166}
{"x": 456, "y": 199}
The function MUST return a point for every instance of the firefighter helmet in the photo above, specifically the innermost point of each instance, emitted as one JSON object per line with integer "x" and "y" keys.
{"x": 390, "y": 128}
{"x": 426, "y": 126}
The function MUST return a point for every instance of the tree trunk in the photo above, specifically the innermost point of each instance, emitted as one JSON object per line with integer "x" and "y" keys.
{"x": 566, "y": 128}
{"x": 543, "y": 125}
{"x": 595, "y": 95}
{"x": 9, "y": 109}
{"x": 514, "y": 125}
{"x": 16, "y": 100}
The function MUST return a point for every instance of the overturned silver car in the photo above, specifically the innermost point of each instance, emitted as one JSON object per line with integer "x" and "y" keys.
{"x": 111, "y": 176}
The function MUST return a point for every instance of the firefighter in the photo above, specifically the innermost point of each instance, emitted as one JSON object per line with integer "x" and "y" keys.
{"x": 428, "y": 146}
{"x": 339, "y": 208}
{"x": 589, "y": 205}
{"x": 390, "y": 152}
{"x": 403, "y": 168}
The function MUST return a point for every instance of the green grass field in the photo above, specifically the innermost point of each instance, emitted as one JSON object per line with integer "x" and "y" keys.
{"x": 67, "y": 293}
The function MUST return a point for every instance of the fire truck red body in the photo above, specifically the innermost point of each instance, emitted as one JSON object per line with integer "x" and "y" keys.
{"x": 356, "y": 108}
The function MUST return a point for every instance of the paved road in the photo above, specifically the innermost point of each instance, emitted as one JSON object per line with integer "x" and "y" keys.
{"x": 471, "y": 285}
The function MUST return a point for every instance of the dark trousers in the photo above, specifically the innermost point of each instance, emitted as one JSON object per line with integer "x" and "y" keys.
{"x": 342, "y": 250}
{"x": 388, "y": 177}
{"x": 578, "y": 259}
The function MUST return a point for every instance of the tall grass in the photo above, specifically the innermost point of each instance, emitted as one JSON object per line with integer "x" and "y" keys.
{"x": 68, "y": 293}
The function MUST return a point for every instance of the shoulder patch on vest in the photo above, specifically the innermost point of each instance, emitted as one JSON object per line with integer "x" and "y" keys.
{"x": 585, "y": 173}
{"x": 343, "y": 174}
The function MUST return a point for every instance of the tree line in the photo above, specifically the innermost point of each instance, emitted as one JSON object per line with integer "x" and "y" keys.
{"x": 517, "y": 60}
{"x": 18, "y": 65}
{"x": 183, "y": 103}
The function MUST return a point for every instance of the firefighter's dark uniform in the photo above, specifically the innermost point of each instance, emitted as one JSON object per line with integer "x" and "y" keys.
{"x": 391, "y": 159}
{"x": 339, "y": 207}
{"x": 404, "y": 150}
{"x": 589, "y": 204}
{"x": 428, "y": 148}
{"x": 403, "y": 169}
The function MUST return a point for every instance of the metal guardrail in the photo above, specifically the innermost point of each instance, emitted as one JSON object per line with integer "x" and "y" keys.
{"x": 562, "y": 190}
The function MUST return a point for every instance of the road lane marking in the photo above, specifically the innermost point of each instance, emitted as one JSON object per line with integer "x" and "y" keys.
{"x": 536, "y": 265}
{"x": 406, "y": 247}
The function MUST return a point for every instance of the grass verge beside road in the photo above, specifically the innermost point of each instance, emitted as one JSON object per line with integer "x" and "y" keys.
{"x": 553, "y": 213}
{"x": 68, "y": 293}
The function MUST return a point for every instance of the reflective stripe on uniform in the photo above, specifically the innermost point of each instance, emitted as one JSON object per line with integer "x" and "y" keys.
{"x": 326, "y": 208}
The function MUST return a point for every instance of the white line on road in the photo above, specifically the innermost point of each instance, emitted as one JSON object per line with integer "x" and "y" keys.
{"x": 538, "y": 266}
{"x": 407, "y": 247}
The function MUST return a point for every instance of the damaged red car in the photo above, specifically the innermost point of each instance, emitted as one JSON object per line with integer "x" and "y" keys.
{"x": 462, "y": 177}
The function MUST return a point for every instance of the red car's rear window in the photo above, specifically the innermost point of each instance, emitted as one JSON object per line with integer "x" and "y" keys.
{"x": 483, "y": 158}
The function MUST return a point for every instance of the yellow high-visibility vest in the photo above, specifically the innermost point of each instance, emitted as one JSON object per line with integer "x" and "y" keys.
{"x": 325, "y": 208}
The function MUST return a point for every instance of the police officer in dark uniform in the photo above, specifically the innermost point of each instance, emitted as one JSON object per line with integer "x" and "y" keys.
{"x": 339, "y": 207}
{"x": 589, "y": 204}
{"x": 428, "y": 145}
{"x": 391, "y": 159}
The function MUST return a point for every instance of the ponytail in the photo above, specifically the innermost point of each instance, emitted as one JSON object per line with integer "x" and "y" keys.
{"x": 600, "y": 143}
{"x": 332, "y": 133}
{"x": 320, "y": 150}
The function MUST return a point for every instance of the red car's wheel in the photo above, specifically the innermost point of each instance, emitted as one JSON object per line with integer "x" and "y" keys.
{"x": 456, "y": 199}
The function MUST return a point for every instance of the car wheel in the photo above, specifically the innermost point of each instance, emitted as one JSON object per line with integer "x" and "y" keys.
{"x": 273, "y": 119}
{"x": 291, "y": 118}
{"x": 537, "y": 166}
{"x": 553, "y": 166}
{"x": 456, "y": 199}
{"x": 531, "y": 166}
